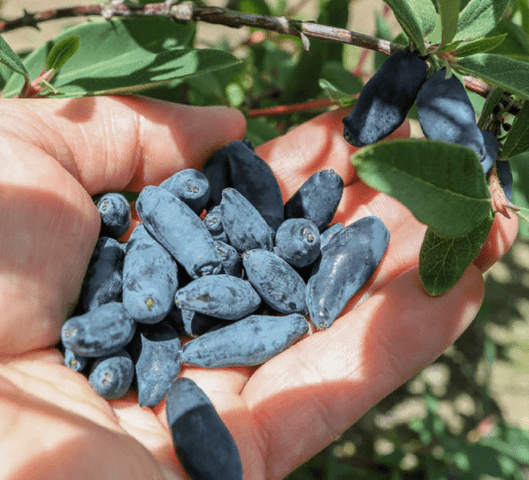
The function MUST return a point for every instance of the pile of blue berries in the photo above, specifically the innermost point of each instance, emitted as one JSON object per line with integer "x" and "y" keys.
{"x": 220, "y": 259}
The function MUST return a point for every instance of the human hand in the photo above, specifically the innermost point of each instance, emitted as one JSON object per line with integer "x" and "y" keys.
{"x": 56, "y": 154}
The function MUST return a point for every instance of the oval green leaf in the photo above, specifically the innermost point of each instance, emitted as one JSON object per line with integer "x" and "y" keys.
{"x": 479, "y": 17}
{"x": 442, "y": 184}
{"x": 11, "y": 59}
{"x": 62, "y": 51}
{"x": 479, "y": 46}
{"x": 443, "y": 260}
{"x": 449, "y": 12}
{"x": 509, "y": 73}
{"x": 416, "y": 17}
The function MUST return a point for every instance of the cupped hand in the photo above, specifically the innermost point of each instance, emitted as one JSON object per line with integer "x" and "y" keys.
{"x": 56, "y": 154}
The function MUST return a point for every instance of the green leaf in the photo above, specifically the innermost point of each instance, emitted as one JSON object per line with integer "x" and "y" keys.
{"x": 340, "y": 79}
{"x": 125, "y": 56}
{"x": 479, "y": 46}
{"x": 479, "y": 17}
{"x": 62, "y": 51}
{"x": 517, "y": 140}
{"x": 520, "y": 192}
{"x": 516, "y": 43}
{"x": 511, "y": 74}
{"x": 11, "y": 59}
{"x": 443, "y": 260}
{"x": 411, "y": 14}
{"x": 256, "y": 7}
{"x": 493, "y": 99}
{"x": 523, "y": 5}
{"x": 449, "y": 11}
{"x": 441, "y": 183}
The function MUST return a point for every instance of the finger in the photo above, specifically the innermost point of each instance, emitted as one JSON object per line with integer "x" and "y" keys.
{"x": 330, "y": 379}
{"x": 113, "y": 143}
{"x": 72, "y": 431}
{"x": 313, "y": 146}
{"x": 54, "y": 155}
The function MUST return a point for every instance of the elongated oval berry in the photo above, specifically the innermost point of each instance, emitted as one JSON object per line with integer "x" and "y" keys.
{"x": 346, "y": 264}
{"x": 278, "y": 284}
{"x": 157, "y": 367}
{"x": 503, "y": 169}
{"x": 149, "y": 278}
{"x": 213, "y": 222}
{"x": 217, "y": 171}
{"x": 244, "y": 225}
{"x": 179, "y": 230}
{"x": 317, "y": 199}
{"x": 298, "y": 242}
{"x": 385, "y": 99}
{"x": 201, "y": 441}
{"x": 99, "y": 332}
{"x": 221, "y": 296}
{"x": 446, "y": 113}
{"x": 492, "y": 148}
{"x": 328, "y": 233}
{"x": 190, "y": 186}
{"x": 111, "y": 376}
{"x": 114, "y": 210}
{"x": 196, "y": 323}
{"x": 103, "y": 282}
{"x": 250, "y": 341}
{"x": 231, "y": 261}
{"x": 73, "y": 361}
{"x": 253, "y": 178}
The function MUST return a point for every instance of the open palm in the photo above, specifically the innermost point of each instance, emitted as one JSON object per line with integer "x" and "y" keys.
{"x": 56, "y": 154}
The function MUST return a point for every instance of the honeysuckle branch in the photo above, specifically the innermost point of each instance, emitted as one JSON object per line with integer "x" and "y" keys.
{"x": 190, "y": 12}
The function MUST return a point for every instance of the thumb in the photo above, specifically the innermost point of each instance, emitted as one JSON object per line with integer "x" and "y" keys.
{"x": 55, "y": 154}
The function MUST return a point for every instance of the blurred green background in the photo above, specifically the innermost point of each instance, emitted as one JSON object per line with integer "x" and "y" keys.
{"x": 466, "y": 416}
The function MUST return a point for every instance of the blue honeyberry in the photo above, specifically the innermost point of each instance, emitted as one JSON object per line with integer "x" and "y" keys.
{"x": 250, "y": 341}
{"x": 196, "y": 323}
{"x": 248, "y": 143}
{"x": 112, "y": 375}
{"x": 149, "y": 278}
{"x": 157, "y": 367}
{"x": 114, "y": 210}
{"x": 201, "y": 441}
{"x": 244, "y": 225}
{"x": 253, "y": 178}
{"x": 222, "y": 296}
{"x": 328, "y": 233}
{"x": 179, "y": 230}
{"x": 190, "y": 186}
{"x": 277, "y": 283}
{"x": 103, "y": 282}
{"x": 446, "y": 113}
{"x": 75, "y": 362}
{"x": 385, "y": 99}
{"x": 317, "y": 199}
{"x": 217, "y": 171}
{"x": 231, "y": 260}
{"x": 213, "y": 222}
{"x": 492, "y": 147}
{"x": 503, "y": 169}
{"x": 99, "y": 332}
{"x": 298, "y": 242}
{"x": 346, "y": 264}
